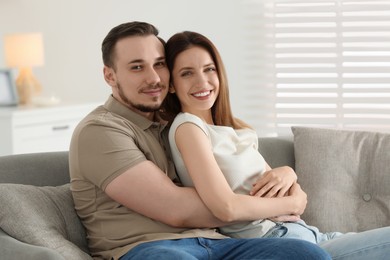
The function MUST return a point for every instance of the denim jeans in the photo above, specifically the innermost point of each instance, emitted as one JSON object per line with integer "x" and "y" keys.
{"x": 372, "y": 244}
{"x": 229, "y": 248}
{"x": 301, "y": 230}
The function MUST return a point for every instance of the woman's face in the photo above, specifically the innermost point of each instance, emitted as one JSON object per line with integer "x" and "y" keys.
{"x": 195, "y": 81}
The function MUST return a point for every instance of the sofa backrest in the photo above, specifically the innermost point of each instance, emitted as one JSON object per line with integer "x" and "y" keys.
{"x": 39, "y": 169}
{"x": 277, "y": 151}
{"x": 52, "y": 168}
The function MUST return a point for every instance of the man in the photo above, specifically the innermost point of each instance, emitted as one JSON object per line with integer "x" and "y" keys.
{"x": 122, "y": 182}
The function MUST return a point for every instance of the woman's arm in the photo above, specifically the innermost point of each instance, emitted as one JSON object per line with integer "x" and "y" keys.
{"x": 215, "y": 191}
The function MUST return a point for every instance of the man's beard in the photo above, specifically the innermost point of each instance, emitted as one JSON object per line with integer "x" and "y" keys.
{"x": 140, "y": 107}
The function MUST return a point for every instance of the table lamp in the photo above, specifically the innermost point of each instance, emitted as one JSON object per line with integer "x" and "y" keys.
{"x": 24, "y": 51}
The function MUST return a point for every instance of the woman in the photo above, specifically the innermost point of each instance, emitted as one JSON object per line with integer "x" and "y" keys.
{"x": 218, "y": 155}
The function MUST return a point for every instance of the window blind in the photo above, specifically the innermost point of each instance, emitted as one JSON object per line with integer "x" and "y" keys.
{"x": 316, "y": 63}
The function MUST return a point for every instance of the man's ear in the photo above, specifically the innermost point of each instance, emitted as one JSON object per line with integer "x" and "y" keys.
{"x": 171, "y": 88}
{"x": 109, "y": 76}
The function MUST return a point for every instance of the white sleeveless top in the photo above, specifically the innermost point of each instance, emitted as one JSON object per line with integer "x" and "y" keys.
{"x": 236, "y": 152}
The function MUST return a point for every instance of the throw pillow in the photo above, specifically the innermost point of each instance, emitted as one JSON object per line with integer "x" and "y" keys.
{"x": 43, "y": 216}
{"x": 346, "y": 175}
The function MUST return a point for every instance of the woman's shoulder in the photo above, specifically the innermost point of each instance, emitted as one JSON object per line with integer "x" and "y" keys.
{"x": 184, "y": 117}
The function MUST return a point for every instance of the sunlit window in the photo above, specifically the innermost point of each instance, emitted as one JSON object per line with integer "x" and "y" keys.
{"x": 317, "y": 63}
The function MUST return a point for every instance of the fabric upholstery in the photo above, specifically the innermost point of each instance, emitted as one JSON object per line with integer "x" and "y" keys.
{"x": 38, "y": 169}
{"x": 43, "y": 216}
{"x": 12, "y": 248}
{"x": 277, "y": 151}
{"x": 346, "y": 176}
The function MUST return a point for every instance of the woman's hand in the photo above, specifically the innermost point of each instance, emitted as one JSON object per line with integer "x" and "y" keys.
{"x": 274, "y": 182}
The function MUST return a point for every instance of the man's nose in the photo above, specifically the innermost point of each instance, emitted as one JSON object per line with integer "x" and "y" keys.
{"x": 152, "y": 76}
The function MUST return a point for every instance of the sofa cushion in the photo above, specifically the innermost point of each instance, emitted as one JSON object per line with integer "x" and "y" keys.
{"x": 346, "y": 176}
{"x": 43, "y": 216}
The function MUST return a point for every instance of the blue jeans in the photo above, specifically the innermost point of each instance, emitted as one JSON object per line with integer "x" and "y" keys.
{"x": 300, "y": 230}
{"x": 371, "y": 244}
{"x": 228, "y": 248}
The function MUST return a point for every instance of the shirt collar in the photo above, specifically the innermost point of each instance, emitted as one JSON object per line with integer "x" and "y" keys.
{"x": 116, "y": 107}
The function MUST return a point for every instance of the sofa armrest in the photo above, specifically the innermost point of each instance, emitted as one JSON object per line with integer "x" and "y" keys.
{"x": 12, "y": 248}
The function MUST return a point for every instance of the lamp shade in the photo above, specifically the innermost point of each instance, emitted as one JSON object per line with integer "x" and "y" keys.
{"x": 24, "y": 50}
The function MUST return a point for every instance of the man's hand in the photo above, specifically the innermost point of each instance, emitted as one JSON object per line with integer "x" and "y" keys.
{"x": 286, "y": 218}
{"x": 299, "y": 199}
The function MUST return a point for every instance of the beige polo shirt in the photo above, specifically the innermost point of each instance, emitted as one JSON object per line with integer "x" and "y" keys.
{"x": 106, "y": 143}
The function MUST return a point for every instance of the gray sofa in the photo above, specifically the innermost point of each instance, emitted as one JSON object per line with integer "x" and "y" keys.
{"x": 38, "y": 221}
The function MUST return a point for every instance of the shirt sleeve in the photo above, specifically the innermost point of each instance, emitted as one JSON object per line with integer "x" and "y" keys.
{"x": 105, "y": 152}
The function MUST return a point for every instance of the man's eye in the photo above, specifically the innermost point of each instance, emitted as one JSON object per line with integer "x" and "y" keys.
{"x": 160, "y": 64}
{"x": 136, "y": 67}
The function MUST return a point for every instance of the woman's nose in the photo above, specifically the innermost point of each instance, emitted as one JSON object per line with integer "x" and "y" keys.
{"x": 201, "y": 80}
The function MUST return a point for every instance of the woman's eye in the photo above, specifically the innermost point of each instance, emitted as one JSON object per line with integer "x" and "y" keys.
{"x": 185, "y": 73}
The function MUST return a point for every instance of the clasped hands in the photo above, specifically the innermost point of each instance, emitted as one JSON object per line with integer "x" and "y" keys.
{"x": 281, "y": 182}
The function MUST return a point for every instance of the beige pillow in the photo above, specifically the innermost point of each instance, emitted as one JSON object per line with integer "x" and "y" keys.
{"x": 346, "y": 175}
{"x": 43, "y": 216}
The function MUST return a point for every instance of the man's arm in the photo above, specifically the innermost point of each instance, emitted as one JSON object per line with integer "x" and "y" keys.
{"x": 145, "y": 189}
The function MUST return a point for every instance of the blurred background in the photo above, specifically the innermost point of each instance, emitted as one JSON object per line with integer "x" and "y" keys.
{"x": 319, "y": 63}
{"x": 73, "y": 31}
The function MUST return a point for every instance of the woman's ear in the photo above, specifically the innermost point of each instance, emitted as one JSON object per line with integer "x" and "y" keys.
{"x": 171, "y": 89}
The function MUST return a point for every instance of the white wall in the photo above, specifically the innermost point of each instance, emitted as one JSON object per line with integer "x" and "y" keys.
{"x": 74, "y": 29}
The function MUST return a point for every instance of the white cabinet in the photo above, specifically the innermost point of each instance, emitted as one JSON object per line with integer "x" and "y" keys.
{"x": 39, "y": 129}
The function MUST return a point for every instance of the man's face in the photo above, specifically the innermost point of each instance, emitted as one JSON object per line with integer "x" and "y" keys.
{"x": 141, "y": 78}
